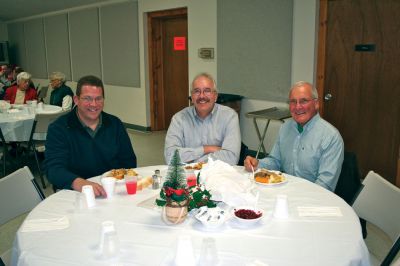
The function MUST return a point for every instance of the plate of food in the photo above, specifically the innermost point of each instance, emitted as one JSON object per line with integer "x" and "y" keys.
{"x": 194, "y": 166}
{"x": 269, "y": 178}
{"x": 120, "y": 173}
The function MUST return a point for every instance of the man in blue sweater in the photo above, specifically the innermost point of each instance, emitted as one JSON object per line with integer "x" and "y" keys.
{"x": 86, "y": 142}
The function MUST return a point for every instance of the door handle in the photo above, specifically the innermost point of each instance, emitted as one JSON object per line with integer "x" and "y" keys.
{"x": 328, "y": 96}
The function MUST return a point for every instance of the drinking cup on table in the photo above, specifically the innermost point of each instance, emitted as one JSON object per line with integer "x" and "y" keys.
{"x": 281, "y": 207}
{"x": 131, "y": 184}
{"x": 34, "y": 103}
{"x": 40, "y": 106}
{"x": 79, "y": 201}
{"x": 87, "y": 190}
{"x": 184, "y": 255}
{"x": 208, "y": 253}
{"x": 108, "y": 184}
{"x": 109, "y": 242}
{"x": 191, "y": 178}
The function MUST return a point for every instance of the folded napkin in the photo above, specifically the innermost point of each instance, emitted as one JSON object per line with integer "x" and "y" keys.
{"x": 319, "y": 211}
{"x": 226, "y": 183}
{"x": 35, "y": 225}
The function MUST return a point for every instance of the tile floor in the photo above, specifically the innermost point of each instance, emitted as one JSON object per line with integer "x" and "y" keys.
{"x": 149, "y": 151}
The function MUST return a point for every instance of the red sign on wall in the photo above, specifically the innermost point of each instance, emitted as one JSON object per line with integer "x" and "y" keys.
{"x": 179, "y": 43}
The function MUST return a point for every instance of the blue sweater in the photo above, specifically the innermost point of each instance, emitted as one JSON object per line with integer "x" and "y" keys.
{"x": 71, "y": 152}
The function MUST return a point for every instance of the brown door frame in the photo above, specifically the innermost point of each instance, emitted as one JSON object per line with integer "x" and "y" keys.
{"x": 156, "y": 65}
{"x": 321, "y": 62}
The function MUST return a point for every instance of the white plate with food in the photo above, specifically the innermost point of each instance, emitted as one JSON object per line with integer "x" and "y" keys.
{"x": 119, "y": 174}
{"x": 269, "y": 177}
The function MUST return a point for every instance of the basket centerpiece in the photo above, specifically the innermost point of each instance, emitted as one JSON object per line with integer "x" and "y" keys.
{"x": 177, "y": 198}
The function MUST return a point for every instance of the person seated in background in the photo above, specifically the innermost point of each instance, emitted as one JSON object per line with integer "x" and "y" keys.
{"x": 307, "y": 145}
{"x": 204, "y": 129}
{"x": 87, "y": 141}
{"x": 4, "y": 81}
{"x": 21, "y": 92}
{"x": 61, "y": 94}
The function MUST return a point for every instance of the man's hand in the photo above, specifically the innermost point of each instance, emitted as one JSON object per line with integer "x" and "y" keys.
{"x": 79, "y": 182}
{"x": 250, "y": 163}
{"x": 210, "y": 149}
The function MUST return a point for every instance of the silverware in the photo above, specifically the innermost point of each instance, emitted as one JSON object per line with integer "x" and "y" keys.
{"x": 204, "y": 213}
{"x": 209, "y": 218}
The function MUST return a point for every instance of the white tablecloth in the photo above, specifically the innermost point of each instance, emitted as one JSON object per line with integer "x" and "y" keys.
{"x": 146, "y": 240}
{"x": 16, "y": 125}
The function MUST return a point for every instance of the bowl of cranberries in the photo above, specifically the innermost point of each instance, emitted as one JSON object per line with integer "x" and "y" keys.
{"x": 247, "y": 215}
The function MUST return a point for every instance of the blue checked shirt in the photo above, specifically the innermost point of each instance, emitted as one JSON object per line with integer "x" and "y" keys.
{"x": 316, "y": 154}
{"x": 189, "y": 133}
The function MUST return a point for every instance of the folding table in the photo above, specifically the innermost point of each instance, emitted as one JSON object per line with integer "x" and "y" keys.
{"x": 273, "y": 113}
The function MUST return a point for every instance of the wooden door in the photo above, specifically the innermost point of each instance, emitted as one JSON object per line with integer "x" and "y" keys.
{"x": 168, "y": 62}
{"x": 363, "y": 80}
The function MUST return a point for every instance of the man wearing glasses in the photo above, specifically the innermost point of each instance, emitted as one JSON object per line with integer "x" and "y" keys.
{"x": 204, "y": 129}
{"x": 307, "y": 145}
{"x": 86, "y": 142}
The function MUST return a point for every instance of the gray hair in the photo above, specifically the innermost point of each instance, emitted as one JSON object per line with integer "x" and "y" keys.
{"x": 207, "y": 76}
{"x": 57, "y": 75}
{"x": 298, "y": 84}
{"x": 23, "y": 76}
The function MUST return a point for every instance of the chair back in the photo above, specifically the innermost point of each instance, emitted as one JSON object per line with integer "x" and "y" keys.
{"x": 18, "y": 194}
{"x": 379, "y": 203}
{"x": 44, "y": 120}
{"x": 4, "y": 152}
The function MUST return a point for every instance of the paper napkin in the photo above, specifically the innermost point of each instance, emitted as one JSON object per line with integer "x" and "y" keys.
{"x": 319, "y": 211}
{"x": 35, "y": 225}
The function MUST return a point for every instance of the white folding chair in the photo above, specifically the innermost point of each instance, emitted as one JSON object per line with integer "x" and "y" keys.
{"x": 379, "y": 203}
{"x": 40, "y": 126}
{"x": 19, "y": 193}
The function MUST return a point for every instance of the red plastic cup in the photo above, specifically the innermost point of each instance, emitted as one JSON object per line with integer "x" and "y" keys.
{"x": 191, "y": 179}
{"x": 131, "y": 184}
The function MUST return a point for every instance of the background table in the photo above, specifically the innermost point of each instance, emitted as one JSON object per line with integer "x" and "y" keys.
{"x": 146, "y": 240}
{"x": 17, "y": 125}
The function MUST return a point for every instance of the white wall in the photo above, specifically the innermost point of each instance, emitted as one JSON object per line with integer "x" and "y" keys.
{"x": 305, "y": 17}
{"x": 132, "y": 104}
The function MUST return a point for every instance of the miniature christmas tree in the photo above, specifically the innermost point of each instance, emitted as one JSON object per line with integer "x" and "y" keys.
{"x": 175, "y": 186}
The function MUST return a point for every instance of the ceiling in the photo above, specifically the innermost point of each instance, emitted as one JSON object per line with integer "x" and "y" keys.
{"x": 19, "y": 9}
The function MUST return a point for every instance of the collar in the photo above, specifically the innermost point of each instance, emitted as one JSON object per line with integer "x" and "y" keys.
{"x": 73, "y": 120}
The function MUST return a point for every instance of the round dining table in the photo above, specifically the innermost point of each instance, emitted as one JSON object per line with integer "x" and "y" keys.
{"x": 321, "y": 229}
{"x": 16, "y": 122}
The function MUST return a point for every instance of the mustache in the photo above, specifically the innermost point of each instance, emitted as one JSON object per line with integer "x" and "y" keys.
{"x": 202, "y": 99}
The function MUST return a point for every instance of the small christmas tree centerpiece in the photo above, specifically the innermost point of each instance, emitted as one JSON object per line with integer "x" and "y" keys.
{"x": 174, "y": 194}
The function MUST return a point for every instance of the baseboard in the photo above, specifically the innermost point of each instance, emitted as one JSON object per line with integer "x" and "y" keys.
{"x": 136, "y": 127}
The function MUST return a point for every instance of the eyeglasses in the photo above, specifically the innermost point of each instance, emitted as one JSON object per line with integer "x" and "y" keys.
{"x": 206, "y": 91}
{"x": 88, "y": 99}
{"x": 302, "y": 101}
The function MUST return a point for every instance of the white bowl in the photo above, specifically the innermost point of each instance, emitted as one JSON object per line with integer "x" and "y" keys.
{"x": 244, "y": 221}
{"x": 211, "y": 218}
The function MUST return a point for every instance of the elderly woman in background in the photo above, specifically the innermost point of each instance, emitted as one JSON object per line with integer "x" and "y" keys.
{"x": 21, "y": 92}
{"x": 61, "y": 94}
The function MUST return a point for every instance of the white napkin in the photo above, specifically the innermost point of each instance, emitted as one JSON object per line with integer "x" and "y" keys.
{"x": 319, "y": 211}
{"x": 35, "y": 225}
{"x": 226, "y": 183}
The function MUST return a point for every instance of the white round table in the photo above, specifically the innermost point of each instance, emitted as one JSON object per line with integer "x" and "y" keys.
{"x": 16, "y": 124}
{"x": 146, "y": 240}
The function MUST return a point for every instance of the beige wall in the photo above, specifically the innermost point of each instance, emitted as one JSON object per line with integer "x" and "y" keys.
{"x": 132, "y": 104}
